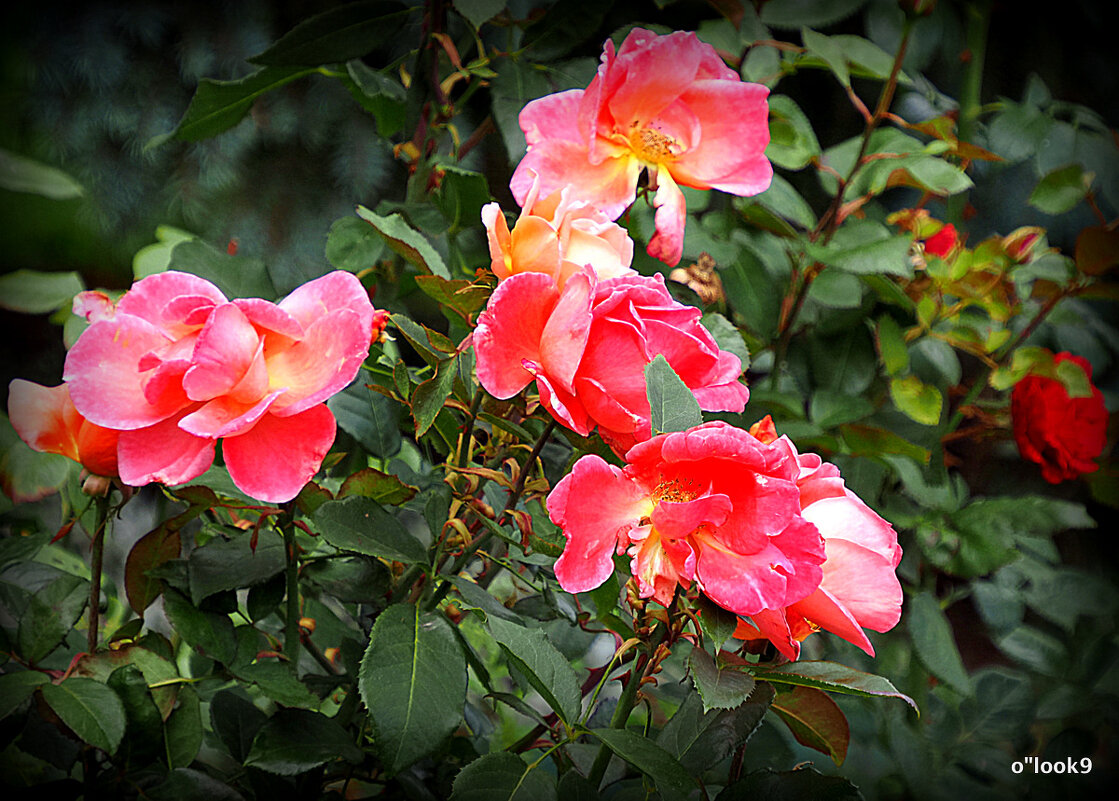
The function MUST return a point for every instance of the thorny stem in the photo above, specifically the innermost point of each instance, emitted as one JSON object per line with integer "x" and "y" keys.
{"x": 829, "y": 221}
{"x": 978, "y": 16}
{"x": 291, "y": 576}
{"x": 510, "y": 504}
{"x": 96, "y": 561}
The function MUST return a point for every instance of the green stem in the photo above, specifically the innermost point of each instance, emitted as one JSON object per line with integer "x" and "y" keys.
{"x": 291, "y": 576}
{"x": 97, "y": 558}
{"x": 626, "y": 703}
{"x": 978, "y": 16}
{"x": 510, "y": 504}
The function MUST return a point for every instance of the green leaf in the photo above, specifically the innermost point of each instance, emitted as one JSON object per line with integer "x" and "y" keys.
{"x": 813, "y": 13}
{"x": 461, "y": 295}
{"x": 369, "y": 417}
{"x": 726, "y": 336}
{"x": 236, "y": 721}
{"x": 185, "y": 784}
{"x": 563, "y": 26}
{"x": 182, "y": 732}
{"x": 50, "y": 615}
{"x": 1060, "y": 190}
{"x": 413, "y": 680}
{"x": 407, "y": 241}
{"x": 219, "y": 105}
{"x": 700, "y": 740}
{"x": 340, "y": 34}
{"x": 479, "y": 11}
{"x": 792, "y": 143}
{"x": 91, "y": 710}
{"x": 934, "y": 643}
{"x": 144, "y": 729}
{"x": 544, "y": 667}
{"x": 156, "y": 670}
{"x": 232, "y": 564}
{"x": 21, "y": 174}
{"x": 865, "y": 440}
{"x": 17, "y": 687}
{"x": 381, "y": 95}
{"x": 236, "y": 276}
{"x": 210, "y": 632}
{"x": 351, "y": 579}
{"x": 1003, "y": 706}
{"x": 461, "y": 195}
{"x": 865, "y": 247}
{"x": 296, "y": 740}
{"x": 158, "y": 547}
{"x": 815, "y": 720}
{"x": 673, "y": 406}
{"x": 276, "y": 681}
{"x": 503, "y": 777}
{"x": 828, "y": 51}
{"x": 353, "y": 245}
{"x": 517, "y": 83}
{"x": 156, "y": 258}
{"x": 381, "y": 487}
{"x": 361, "y": 525}
{"x": 719, "y": 687}
{"x": 28, "y": 475}
{"x": 717, "y": 623}
{"x": 833, "y": 677}
{"x": 672, "y": 781}
{"x": 916, "y": 399}
{"x": 800, "y": 784}
{"x": 475, "y": 597}
{"x": 35, "y": 292}
{"x": 430, "y": 395}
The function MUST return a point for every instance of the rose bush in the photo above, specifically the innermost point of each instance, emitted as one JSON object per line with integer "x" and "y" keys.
{"x": 587, "y": 345}
{"x": 175, "y": 367}
{"x": 659, "y": 104}
{"x": 1062, "y": 434}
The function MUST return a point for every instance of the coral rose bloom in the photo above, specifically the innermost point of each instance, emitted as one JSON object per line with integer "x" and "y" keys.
{"x": 1062, "y": 434}
{"x": 665, "y": 104}
{"x": 556, "y": 236}
{"x": 45, "y": 418}
{"x": 587, "y": 345}
{"x": 860, "y": 588}
{"x": 176, "y": 366}
{"x": 712, "y": 505}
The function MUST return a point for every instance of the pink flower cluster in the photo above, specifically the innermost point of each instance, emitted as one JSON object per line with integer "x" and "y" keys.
{"x": 763, "y": 531}
{"x": 174, "y": 367}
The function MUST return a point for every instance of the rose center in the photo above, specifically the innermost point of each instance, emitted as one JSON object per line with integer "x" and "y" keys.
{"x": 677, "y": 490}
{"x": 653, "y": 146}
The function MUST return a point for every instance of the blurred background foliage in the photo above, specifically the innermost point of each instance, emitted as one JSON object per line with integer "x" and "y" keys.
{"x": 1008, "y": 643}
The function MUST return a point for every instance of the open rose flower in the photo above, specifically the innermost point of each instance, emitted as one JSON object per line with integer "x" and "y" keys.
{"x": 1062, "y": 434}
{"x": 860, "y": 588}
{"x": 45, "y": 418}
{"x": 711, "y": 505}
{"x": 586, "y": 347}
{"x": 664, "y": 104}
{"x": 556, "y": 235}
{"x": 175, "y": 367}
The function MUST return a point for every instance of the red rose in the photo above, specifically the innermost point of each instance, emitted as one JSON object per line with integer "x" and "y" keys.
{"x": 1060, "y": 433}
{"x": 942, "y": 242}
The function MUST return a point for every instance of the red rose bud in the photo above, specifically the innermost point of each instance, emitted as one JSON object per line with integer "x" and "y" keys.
{"x": 943, "y": 242}
{"x": 1060, "y": 433}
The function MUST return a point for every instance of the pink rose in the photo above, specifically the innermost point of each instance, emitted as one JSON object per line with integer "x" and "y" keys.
{"x": 45, "y": 418}
{"x": 664, "y": 104}
{"x": 712, "y": 504}
{"x": 587, "y": 345}
{"x": 1062, "y": 434}
{"x": 556, "y": 236}
{"x": 860, "y": 588}
{"x": 176, "y": 366}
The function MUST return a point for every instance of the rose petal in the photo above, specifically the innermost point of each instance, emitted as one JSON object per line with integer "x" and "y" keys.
{"x": 279, "y": 455}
